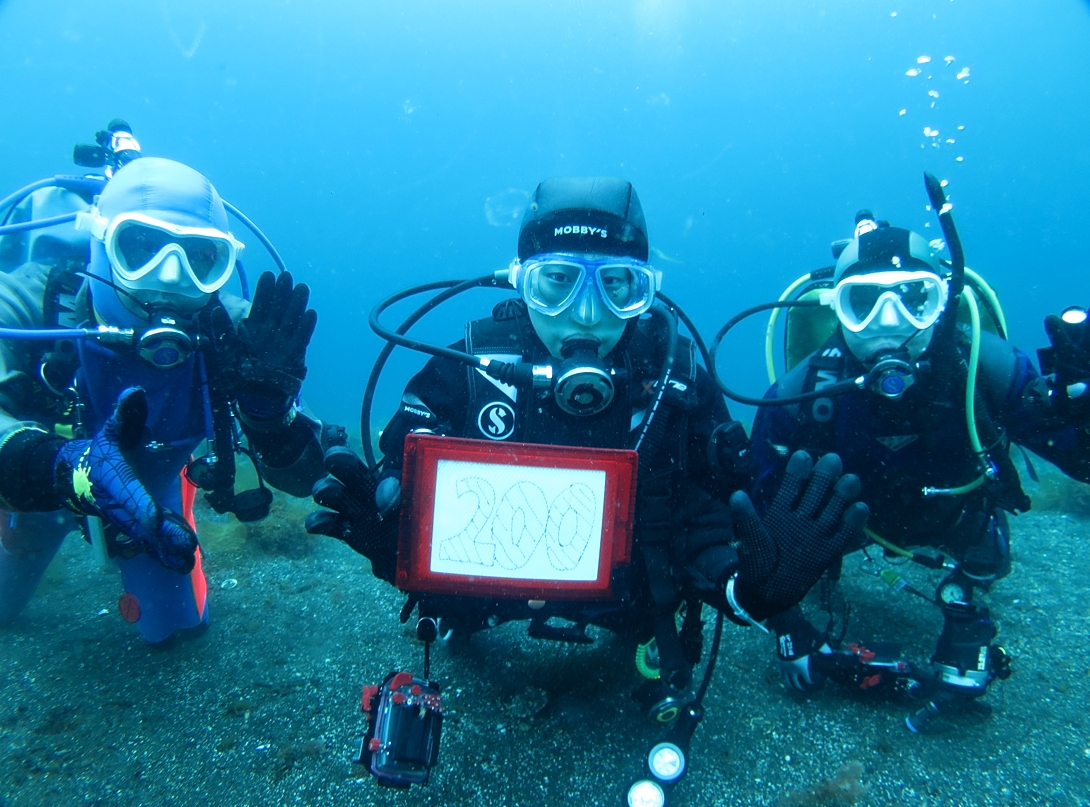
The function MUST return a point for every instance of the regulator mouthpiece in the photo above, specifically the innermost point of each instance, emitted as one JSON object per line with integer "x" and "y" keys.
{"x": 891, "y": 377}
{"x": 584, "y": 386}
{"x": 165, "y": 345}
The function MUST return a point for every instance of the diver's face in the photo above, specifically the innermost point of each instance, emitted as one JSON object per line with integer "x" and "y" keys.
{"x": 876, "y": 340}
{"x": 168, "y": 287}
{"x": 587, "y": 318}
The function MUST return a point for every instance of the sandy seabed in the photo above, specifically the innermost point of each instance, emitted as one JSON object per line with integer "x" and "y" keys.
{"x": 262, "y": 710}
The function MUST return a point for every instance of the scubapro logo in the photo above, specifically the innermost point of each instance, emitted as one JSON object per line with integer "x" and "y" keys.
{"x": 496, "y": 421}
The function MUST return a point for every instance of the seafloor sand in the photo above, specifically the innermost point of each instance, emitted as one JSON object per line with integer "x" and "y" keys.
{"x": 261, "y": 710}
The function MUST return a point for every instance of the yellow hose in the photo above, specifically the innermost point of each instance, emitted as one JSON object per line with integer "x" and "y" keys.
{"x": 974, "y": 363}
{"x": 645, "y": 669}
{"x": 882, "y": 542}
{"x": 991, "y": 297}
{"x": 770, "y": 331}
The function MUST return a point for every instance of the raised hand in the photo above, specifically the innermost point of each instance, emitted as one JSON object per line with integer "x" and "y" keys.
{"x": 810, "y": 523}
{"x": 95, "y": 478}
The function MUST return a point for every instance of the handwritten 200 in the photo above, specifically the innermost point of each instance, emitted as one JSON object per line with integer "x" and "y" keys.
{"x": 508, "y": 530}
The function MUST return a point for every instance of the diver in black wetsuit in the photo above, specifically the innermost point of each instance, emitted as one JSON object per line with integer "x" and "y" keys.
{"x": 927, "y": 433}
{"x": 585, "y": 286}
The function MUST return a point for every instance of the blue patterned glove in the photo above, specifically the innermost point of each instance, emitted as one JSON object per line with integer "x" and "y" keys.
{"x": 94, "y": 478}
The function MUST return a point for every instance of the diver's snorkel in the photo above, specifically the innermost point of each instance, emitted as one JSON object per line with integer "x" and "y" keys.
{"x": 948, "y": 322}
{"x": 946, "y": 335}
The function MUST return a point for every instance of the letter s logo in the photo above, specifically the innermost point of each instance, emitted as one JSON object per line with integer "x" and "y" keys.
{"x": 496, "y": 420}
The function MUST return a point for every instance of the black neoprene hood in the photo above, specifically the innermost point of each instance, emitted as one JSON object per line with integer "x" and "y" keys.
{"x": 875, "y": 252}
{"x": 593, "y": 215}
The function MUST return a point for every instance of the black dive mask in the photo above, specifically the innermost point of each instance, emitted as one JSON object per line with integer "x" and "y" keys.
{"x": 584, "y": 385}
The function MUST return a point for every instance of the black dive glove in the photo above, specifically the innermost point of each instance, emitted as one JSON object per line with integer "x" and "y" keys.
{"x": 1068, "y": 360}
{"x": 782, "y": 556}
{"x": 271, "y": 348}
{"x": 353, "y": 516}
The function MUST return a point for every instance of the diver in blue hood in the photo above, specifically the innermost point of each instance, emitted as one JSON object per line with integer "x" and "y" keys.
{"x": 111, "y": 377}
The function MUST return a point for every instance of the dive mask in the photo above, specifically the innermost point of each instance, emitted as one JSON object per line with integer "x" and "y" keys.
{"x": 919, "y": 298}
{"x": 138, "y": 244}
{"x": 551, "y": 283}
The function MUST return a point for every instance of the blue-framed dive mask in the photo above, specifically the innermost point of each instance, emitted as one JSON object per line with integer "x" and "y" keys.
{"x": 551, "y": 283}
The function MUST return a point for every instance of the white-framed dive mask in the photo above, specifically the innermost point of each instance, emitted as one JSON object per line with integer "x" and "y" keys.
{"x": 916, "y": 298}
{"x": 137, "y": 245}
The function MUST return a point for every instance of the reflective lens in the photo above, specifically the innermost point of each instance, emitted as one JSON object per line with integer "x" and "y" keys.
{"x": 914, "y": 295}
{"x": 138, "y": 244}
{"x": 551, "y": 283}
{"x": 1074, "y": 315}
{"x": 918, "y": 296}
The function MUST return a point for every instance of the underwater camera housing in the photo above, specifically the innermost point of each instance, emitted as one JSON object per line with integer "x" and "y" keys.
{"x": 115, "y": 147}
{"x": 405, "y": 720}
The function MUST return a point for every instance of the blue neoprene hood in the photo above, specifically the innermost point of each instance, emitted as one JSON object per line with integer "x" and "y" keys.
{"x": 164, "y": 189}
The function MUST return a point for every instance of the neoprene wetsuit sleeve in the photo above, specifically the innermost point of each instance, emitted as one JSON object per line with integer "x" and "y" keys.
{"x": 709, "y": 555}
{"x": 27, "y": 451}
{"x": 22, "y": 294}
{"x": 1009, "y": 382}
{"x": 291, "y": 455}
{"x": 435, "y": 399}
{"x": 774, "y": 439}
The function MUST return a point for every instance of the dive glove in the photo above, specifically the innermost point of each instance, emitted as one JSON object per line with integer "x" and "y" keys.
{"x": 271, "y": 347}
{"x": 94, "y": 478}
{"x": 796, "y": 643}
{"x": 353, "y": 515}
{"x": 806, "y": 528}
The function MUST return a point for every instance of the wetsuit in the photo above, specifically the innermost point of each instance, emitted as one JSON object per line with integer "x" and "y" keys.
{"x": 680, "y": 509}
{"x": 899, "y": 447}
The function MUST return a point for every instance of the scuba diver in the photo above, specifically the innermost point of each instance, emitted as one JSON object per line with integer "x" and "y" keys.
{"x": 111, "y": 376}
{"x": 587, "y": 356}
{"x": 923, "y": 409}
{"x": 1066, "y": 365}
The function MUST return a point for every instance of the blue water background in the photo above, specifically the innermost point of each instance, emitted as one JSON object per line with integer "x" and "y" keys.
{"x": 368, "y": 138}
